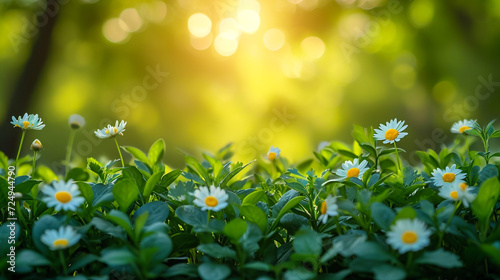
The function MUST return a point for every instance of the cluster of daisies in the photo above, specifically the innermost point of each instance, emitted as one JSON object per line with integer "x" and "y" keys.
{"x": 405, "y": 235}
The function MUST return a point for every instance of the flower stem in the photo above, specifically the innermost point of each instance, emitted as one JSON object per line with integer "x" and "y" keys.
{"x": 208, "y": 217}
{"x": 69, "y": 149}
{"x": 19, "y": 150}
{"x": 34, "y": 164}
{"x": 467, "y": 147}
{"x": 63, "y": 262}
{"x": 120, "y": 152}
{"x": 397, "y": 157}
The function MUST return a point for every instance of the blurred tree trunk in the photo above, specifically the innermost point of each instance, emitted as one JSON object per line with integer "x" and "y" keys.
{"x": 21, "y": 96}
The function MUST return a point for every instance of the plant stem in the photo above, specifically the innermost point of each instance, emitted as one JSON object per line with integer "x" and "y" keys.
{"x": 409, "y": 260}
{"x": 397, "y": 156}
{"x": 120, "y": 152}
{"x": 63, "y": 262}
{"x": 19, "y": 150}
{"x": 467, "y": 148}
{"x": 208, "y": 217}
{"x": 34, "y": 164}
{"x": 69, "y": 149}
{"x": 441, "y": 233}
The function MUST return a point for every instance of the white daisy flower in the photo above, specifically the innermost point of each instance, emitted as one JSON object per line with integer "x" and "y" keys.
{"x": 458, "y": 191}
{"x": 111, "y": 131}
{"x": 64, "y": 195}
{"x": 448, "y": 176}
{"x": 76, "y": 121}
{"x": 408, "y": 235}
{"x": 28, "y": 122}
{"x": 274, "y": 153}
{"x": 328, "y": 209}
{"x": 63, "y": 238}
{"x": 391, "y": 132}
{"x": 352, "y": 169}
{"x": 214, "y": 199}
{"x": 462, "y": 126}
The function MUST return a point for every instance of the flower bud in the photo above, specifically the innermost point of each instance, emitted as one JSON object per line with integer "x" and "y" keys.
{"x": 36, "y": 145}
{"x": 76, "y": 121}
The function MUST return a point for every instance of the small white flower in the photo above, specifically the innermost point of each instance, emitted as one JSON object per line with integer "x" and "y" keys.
{"x": 76, "y": 121}
{"x": 391, "y": 132}
{"x": 322, "y": 145}
{"x": 274, "y": 153}
{"x": 64, "y": 195}
{"x": 408, "y": 235}
{"x": 458, "y": 191}
{"x": 36, "y": 145}
{"x": 111, "y": 131}
{"x": 352, "y": 169}
{"x": 328, "y": 209}
{"x": 63, "y": 238}
{"x": 462, "y": 126}
{"x": 214, "y": 199}
{"x": 448, "y": 176}
{"x": 28, "y": 122}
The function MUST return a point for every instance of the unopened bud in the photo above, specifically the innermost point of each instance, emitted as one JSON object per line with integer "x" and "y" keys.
{"x": 36, "y": 145}
{"x": 76, "y": 121}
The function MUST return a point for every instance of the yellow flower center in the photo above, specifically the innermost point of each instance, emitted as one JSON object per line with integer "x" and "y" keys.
{"x": 271, "y": 155}
{"x": 463, "y": 186}
{"x": 211, "y": 201}
{"x": 463, "y": 128}
{"x": 448, "y": 177}
{"x": 409, "y": 237}
{"x": 107, "y": 131}
{"x": 323, "y": 207}
{"x": 353, "y": 172}
{"x": 26, "y": 123}
{"x": 63, "y": 197}
{"x": 61, "y": 243}
{"x": 454, "y": 194}
{"x": 38, "y": 142}
{"x": 391, "y": 134}
{"x": 115, "y": 129}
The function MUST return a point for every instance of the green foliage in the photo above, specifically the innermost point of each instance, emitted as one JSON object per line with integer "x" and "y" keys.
{"x": 143, "y": 220}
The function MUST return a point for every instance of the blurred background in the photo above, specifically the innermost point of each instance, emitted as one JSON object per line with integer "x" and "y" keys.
{"x": 287, "y": 73}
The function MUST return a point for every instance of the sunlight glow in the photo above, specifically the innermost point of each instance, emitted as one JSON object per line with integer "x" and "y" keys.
{"x": 199, "y": 25}
{"x": 130, "y": 20}
{"x": 225, "y": 46}
{"x": 202, "y": 43}
{"x": 313, "y": 47}
{"x": 113, "y": 31}
{"x": 249, "y": 21}
{"x": 274, "y": 39}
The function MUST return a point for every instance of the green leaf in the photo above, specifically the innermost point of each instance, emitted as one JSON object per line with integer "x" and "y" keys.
{"x": 347, "y": 153}
{"x": 391, "y": 151}
{"x": 235, "y": 229}
{"x": 86, "y": 191}
{"x": 170, "y": 177}
{"x": 440, "y": 258}
{"x": 406, "y": 213}
{"x": 255, "y": 215}
{"x": 382, "y": 215}
{"x": 372, "y": 251}
{"x": 191, "y": 215}
{"x": 77, "y": 174}
{"x": 46, "y": 174}
{"x": 161, "y": 245}
{"x": 157, "y": 212}
{"x": 254, "y": 197}
{"x": 95, "y": 166}
{"x": 297, "y": 186}
{"x": 109, "y": 228}
{"x": 131, "y": 172}
{"x": 81, "y": 261}
{"x": 217, "y": 251}
{"x": 156, "y": 152}
{"x": 495, "y": 134}
{"x": 29, "y": 259}
{"x": 307, "y": 242}
{"x": 26, "y": 186}
{"x": 102, "y": 194}
{"x": 290, "y": 204}
{"x": 484, "y": 203}
{"x": 293, "y": 222}
{"x": 489, "y": 171}
{"x": 388, "y": 272}
{"x": 125, "y": 193}
{"x": 120, "y": 219}
{"x": 150, "y": 185}
{"x": 198, "y": 168}
{"x": 5, "y": 230}
{"x": 138, "y": 154}
{"x": 116, "y": 257}
{"x": 217, "y": 167}
{"x": 184, "y": 241}
{"x": 233, "y": 173}
{"x": 213, "y": 271}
